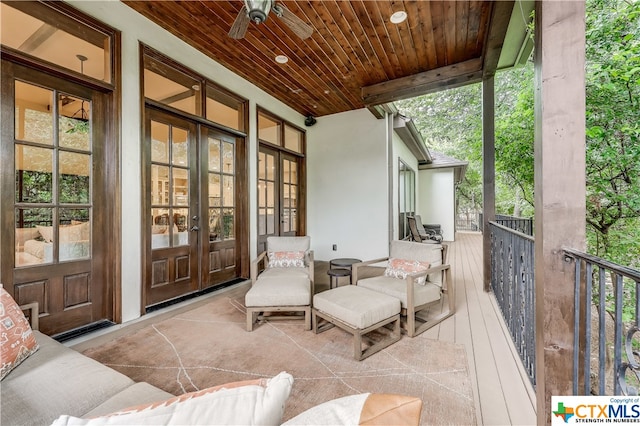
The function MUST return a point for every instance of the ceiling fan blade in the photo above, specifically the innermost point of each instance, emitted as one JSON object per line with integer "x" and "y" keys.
{"x": 297, "y": 25}
{"x": 240, "y": 25}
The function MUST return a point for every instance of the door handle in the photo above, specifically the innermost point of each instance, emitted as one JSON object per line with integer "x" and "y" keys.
{"x": 194, "y": 228}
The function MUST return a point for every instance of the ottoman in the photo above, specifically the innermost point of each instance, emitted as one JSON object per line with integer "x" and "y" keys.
{"x": 358, "y": 311}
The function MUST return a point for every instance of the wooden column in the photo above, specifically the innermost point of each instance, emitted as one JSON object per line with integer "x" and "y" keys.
{"x": 559, "y": 189}
{"x": 488, "y": 173}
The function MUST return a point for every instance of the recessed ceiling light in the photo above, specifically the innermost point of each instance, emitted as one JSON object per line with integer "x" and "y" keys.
{"x": 281, "y": 59}
{"x": 398, "y": 17}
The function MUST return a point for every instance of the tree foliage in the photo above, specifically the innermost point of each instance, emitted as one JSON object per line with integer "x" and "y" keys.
{"x": 451, "y": 122}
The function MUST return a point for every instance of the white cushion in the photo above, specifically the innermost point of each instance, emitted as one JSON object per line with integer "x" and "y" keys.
{"x": 410, "y": 250}
{"x": 358, "y": 307}
{"x": 284, "y": 273}
{"x": 397, "y": 288}
{"x": 268, "y": 291}
{"x": 256, "y": 405}
{"x": 288, "y": 243}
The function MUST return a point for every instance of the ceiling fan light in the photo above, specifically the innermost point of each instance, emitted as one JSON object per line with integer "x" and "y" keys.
{"x": 398, "y": 17}
{"x": 281, "y": 59}
{"x": 258, "y": 10}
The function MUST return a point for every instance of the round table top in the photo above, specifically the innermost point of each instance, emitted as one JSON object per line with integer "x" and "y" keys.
{"x": 344, "y": 262}
{"x": 340, "y": 272}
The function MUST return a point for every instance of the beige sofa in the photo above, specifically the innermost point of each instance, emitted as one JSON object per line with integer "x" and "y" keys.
{"x": 57, "y": 380}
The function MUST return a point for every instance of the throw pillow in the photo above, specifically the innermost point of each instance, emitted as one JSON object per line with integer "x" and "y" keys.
{"x": 400, "y": 268}
{"x": 286, "y": 259}
{"x": 16, "y": 337}
{"x": 259, "y": 402}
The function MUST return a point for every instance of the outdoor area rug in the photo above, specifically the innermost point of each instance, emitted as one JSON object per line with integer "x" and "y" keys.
{"x": 209, "y": 346}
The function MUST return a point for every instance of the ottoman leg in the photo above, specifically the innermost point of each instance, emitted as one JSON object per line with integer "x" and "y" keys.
{"x": 251, "y": 318}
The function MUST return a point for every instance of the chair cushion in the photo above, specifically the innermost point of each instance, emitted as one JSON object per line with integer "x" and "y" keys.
{"x": 400, "y": 268}
{"x": 288, "y": 244}
{"x": 410, "y": 250}
{"x": 18, "y": 341}
{"x": 357, "y": 306}
{"x": 283, "y": 273}
{"x": 279, "y": 291}
{"x": 397, "y": 288}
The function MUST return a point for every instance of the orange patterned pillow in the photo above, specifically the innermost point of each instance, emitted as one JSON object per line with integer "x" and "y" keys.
{"x": 16, "y": 337}
{"x": 286, "y": 259}
{"x": 400, "y": 268}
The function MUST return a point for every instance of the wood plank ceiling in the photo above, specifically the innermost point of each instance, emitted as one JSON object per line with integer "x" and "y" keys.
{"x": 355, "y": 57}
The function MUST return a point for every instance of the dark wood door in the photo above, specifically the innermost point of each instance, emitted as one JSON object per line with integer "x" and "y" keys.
{"x": 278, "y": 195}
{"x": 55, "y": 201}
{"x": 222, "y": 189}
{"x": 171, "y": 219}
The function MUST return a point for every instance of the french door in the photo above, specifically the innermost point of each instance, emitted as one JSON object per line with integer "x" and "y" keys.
{"x": 192, "y": 210}
{"x": 279, "y": 191}
{"x": 56, "y": 198}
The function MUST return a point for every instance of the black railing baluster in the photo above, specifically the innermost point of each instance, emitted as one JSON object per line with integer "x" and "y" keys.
{"x": 610, "y": 299}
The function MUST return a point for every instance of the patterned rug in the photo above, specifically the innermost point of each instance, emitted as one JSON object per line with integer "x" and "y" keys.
{"x": 209, "y": 346}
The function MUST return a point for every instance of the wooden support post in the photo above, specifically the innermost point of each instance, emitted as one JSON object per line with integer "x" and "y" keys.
{"x": 488, "y": 173}
{"x": 560, "y": 199}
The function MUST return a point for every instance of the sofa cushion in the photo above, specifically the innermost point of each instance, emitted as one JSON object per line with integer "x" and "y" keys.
{"x": 17, "y": 341}
{"x": 410, "y": 250}
{"x": 139, "y": 393}
{"x": 257, "y": 402}
{"x": 363, "y": 409}
{"x": 288, "y": 243}
{"x": 54, "y": 380}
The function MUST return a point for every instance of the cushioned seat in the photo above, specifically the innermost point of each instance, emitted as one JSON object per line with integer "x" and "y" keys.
{"x": 358, "y": 311}
{"x": 285, "y": 284}
{"x": 418, "y": 276}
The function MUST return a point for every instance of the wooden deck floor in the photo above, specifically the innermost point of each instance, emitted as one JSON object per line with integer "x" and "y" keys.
{"x": 502, "y": 390}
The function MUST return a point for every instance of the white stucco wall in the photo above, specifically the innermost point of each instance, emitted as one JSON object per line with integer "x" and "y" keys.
{"x": 348, "y": 186}
{"x": 135, "y": 28}
{"x": 436, "y": 203}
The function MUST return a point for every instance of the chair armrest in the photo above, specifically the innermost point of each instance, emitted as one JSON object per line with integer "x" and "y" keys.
{"x": 355, "y": 266}
{"x": 311, "y": 267}
{"x": 254, "y": 266}
{"x": 33, "y": 314}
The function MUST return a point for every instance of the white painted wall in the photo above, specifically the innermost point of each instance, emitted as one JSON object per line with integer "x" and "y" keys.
{"x": 436, "y": 202}
{"x": 348, "y": 186}
{"x": 135, "y": 28}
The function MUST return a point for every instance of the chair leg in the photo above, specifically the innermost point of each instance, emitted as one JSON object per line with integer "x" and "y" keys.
{"x": 251, "y": 319}
{"x": 307, "y": 318}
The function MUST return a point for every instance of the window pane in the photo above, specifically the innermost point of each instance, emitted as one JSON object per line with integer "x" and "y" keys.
{"x": 268, "y": 129}
{"x": 180, "y": 228}
{"x": 74, "y": 180}
{"x": 74, "y": 122}
{"x": 271, "y": 195}
{"x": 75, "y": 234}
{"x": 228, "y": 192}
{"x": 271, "y": 221}
{"x": 45, "y": 39}
{"x": 214, "y": 190}
{"x": 179, "y": 146}
{"x": 224, "y": 109}
{"x": 34, "y": 233}
{"x": 214, "y": 155}
{"x": 227, "y": 157}
{"x": 33, "y": 174}
{"x": 215, "y": 225}
{"x": 172, "y": 87}
{"x": 292, "y": 139}
{"x": 34, "y": 116}
{"x": 262, "y": 165}
{"x": 180, "y": 187}
{"x": 160, "y": 228}
{"x": 159, "y": 185}
{"x": 159, "y": 142}
{"x": 228, "y": 230}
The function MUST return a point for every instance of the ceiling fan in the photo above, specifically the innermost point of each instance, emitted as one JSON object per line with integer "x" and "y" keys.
{"x": 258, "y": 10}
